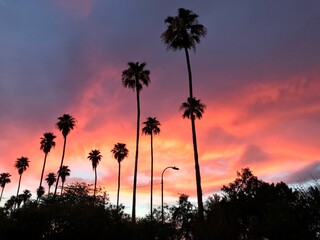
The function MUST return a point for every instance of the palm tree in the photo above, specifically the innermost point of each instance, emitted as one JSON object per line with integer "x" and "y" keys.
{"x": 65, "y": 124}
{"x": 46, "y": 143}
{"x": 26, "y": 195}
{"x": 4, "y": 179}
{"x": 119, "y": 153}
{"x": 193, "y": 109}
{"x": 21, "y": 164}
{"x": 151, "y": 127}
{"x": 95, "y": 158}
{"x": 51, "y": 179}
{"x": 40, "y": 192}
{"x": 183, "y": 32}
{"x": 63, "y": 172}
{"x": 135, "y": 77}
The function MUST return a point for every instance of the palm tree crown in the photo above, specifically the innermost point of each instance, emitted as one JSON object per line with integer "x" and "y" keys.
{"x": 120, "y": 151}
{"x": 4, "y": 179}
{"x": 47, "y": 142}
{"x": 64, "y": 172}
{"x": 193, "y": 108}
{"x": 22, "y": 164}
{"x": 51, "y": 179}
{"x": 95, "y": 158}
{"x": 183, "y": 31}
{"x": 151, "y": 126}
{"x": 65, "y": 124}
{"x": 135, "y": 76}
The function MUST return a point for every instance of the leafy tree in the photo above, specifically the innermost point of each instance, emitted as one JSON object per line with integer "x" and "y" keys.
{"x": 95, "y": 158}
{"x": 21, "y": 165}
{"x": 4, "y": 179}
{"x": 64, "y": 172}
{"x": 151, "y": 126}
{"x": 192, "y": 109}
{"x": 134, "y": 77}
{"x": 119, "y": 152}
{"x": 51, "y": 179}
{"x": 65, "y": 124}
{"x": 46, "y": 143}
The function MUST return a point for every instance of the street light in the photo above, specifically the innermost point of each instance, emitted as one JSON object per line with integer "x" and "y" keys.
{"x": 174, "y": 168}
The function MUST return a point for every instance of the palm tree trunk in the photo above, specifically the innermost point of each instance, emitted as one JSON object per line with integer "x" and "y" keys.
{"x": 189, "y": 73}
{"x": 119, "y": 169}
{"x": 95, "y": 184}
{"x": 151, "y": 190}
{"x": 43, "y": 167}
{"x": 136, "y": 158}
{"x": 1, "y": 194}
{"x": 19, "y": 185}
{"x": 49, "y": 190}
{"x": 62, "y": 158}
{"x": 197, "y": 169}
{"x": 61, "y": 188}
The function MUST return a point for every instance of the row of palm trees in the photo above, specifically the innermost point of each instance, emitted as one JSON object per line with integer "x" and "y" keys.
{"x": 183, "y": 33}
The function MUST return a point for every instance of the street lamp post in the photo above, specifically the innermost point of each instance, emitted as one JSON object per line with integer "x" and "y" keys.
{"x": 174, "y": 168}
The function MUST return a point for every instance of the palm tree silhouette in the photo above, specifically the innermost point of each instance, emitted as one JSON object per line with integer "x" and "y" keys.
{"x": 4, "y": 179}
{"x": 184, "y": 32}
{"x": 151, "y": 126}
{"x": 64, "y": 172}
{"x": 21, "y": 164}
{"x": 51, "y": 179}
{"x": 193, "y": 109}
{"x": 95, "y": 158}
{"x": 119, "y": 153}
{"x": 65, "y": 124}
{"x": 135, "y": 77}
{"x": 46, "y": 143}
{"x": 25, "y": 196}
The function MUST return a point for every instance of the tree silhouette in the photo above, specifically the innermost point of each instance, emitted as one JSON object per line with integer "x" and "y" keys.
{"x": 46, "y": 143}
{"x": 151, "y": 126}
{"x": 65, "y": 124}
{"x": 193, "y": 109}
{"x": 184, "y": 32}
{"x": 64, "y": 172}
{"x": 21, "y": 165}
{"x": 51, "y": 179}
{"x": 4, "y": 179}
{"x": 95, "y": 158}
{"x": 119, "y": 153}
{"x": 134, "y": 77}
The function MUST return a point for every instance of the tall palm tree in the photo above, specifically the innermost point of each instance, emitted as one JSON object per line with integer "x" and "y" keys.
{"x": 119, "y": 153}
{"x": 134, "y": 77}
{"x": 183, "y": 32}
{"x": 46, "y": 143}
{"x": 4, "y": 179}
{"x": 21, "y": 164}
{"x": 64, "y": 172}
{"x": 51, "y": 179}
{"x": 193, "y": 109}
{"x": 151, "y": 126}
{"x": 65, "y": 124}
{"x": 95, "y": 158}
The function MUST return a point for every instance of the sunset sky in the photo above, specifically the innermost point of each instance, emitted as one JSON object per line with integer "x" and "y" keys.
{"x": 257, "y": 71}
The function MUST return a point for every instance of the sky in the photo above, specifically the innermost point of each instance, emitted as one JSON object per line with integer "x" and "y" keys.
{"x": 257, "y": 71}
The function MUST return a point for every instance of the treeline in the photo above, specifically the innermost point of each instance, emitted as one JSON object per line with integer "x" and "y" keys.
{"x": 247, "y": 208}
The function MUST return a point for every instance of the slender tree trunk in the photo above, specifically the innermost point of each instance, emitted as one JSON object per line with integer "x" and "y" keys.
{"x": 151, "y": 190}
{"x": 19, "y": 185}
{"x": 43, "y": 167}
{"x": 1, "y": 193}
{"x": 62, "y": 158}
{"x": 118, "y": 192}
{"x": 189, "y": 73}
{"x": 62, "y": 187}
{"x": 197, "y": 169}
{"x": 95, "y": 184}
{"x": 136, "y": 159}
{"x": 49, "y": 190}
